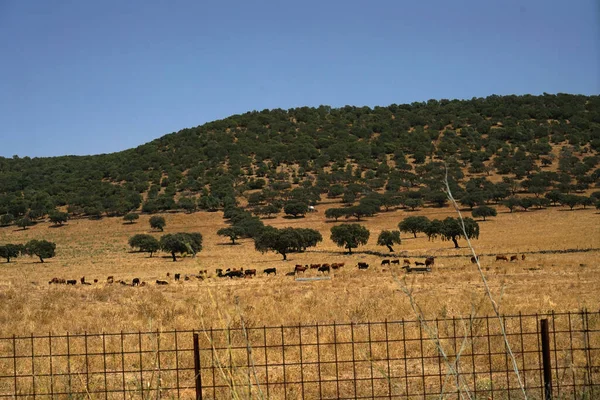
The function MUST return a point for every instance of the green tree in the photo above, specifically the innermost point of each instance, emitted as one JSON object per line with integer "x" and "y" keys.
{"x": 232, "y": 232}
{"x": 484, "y": 212}
{"x": 187, "y": 203}
{"x": 40, "y": 248}
{"x": 157, "y": 222}
{"x": 389, "y": 238}
{"x": 131, "y": 217}
{"x": 190, "y": 243}
{"x": 6, "y": 219}
{"x": 9, "y": 251}
{"x": 350, "y": 236}
{"x": 282, "y": 241}
{"x": 296, "y": 208}
{"x": 413, "y": 204}
{"x": 414, "y": 225}
{"x": 434, "y": 229}
{"x": 511, "y": 203}
{"x": 452, "y": 229}
{"x": 24, "y": 223}
{"x": 335, "y": 213}
{"x": 570, "y": 200}
{"x": 526, "y": 202}
{"x": 58, "y": 218}
{"x": 144, "y": 243}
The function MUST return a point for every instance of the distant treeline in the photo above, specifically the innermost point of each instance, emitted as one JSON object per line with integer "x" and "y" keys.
{"x": 538, "y": 144}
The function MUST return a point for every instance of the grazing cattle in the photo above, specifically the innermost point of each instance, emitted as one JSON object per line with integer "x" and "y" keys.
{"x": 177, "y": 277}
{"x": 219, "y": 272}
{"x": 235, "y": 274}
{"x": 123, "y": 283}
{"x": 110, "y": 279}
{"x": 406, "y": 261}
{"x": 514, "y": 258}
{"x": 299, "y": 268}
{"x": 419, "y": 263}
{"x": 270, "y": 271}
{"x": 324, "y": 268}
{"x": 203, "y": 272}
{"x": 337, "y": 265}
{"x": 473, "y": 260}
{"x": 57, "y": 281}
{"x": 159, "y": 282}
{"x": 71, "y": 281}
{"x": 498, "y": 258}
{"x": 396, "y": 262}
{"x": 384, "y": 262}
{"x": 135, "y": 282}
{"x": 250, "y": 273}
{"x": 291, "y": 273}
{"x": 363, "y": 265}
{"x": 523, "y": 257}
{"x": 186, "y": 278}
{"x": 429, "y": 261}
{"x": 168, "y": 274}
{"x": 315, "y": 266}
{"x": 143, "y": 283}
{"x": 95, "y": 280}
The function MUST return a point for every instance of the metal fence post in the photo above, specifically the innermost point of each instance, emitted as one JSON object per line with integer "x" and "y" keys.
{"x": 546, "y": 359}
{"x": 197, "y": 376}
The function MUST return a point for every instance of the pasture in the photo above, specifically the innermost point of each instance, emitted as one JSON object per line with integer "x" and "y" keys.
{"x": 97, "y": 249}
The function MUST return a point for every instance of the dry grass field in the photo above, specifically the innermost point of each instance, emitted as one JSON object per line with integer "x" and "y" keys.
{"x": 97, "y": 249}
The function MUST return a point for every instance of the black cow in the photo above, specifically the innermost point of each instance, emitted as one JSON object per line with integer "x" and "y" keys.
{"x": 71, "y": 281}
{"x": 384, "y": 262}
{"x": 324, "y": 268}
{"x": 270, "y": 271}
{"x": 135, "y": 282}
{"x": 363, "y": 265}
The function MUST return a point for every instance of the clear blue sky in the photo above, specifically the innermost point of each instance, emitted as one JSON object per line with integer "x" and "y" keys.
{"x": 88, "y": 77}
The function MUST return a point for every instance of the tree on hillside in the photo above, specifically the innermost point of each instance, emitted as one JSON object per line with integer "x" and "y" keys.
{"x": 232, "y": 232}
{"x": 452, "y": 229}
{"x": 6, "y": 219}
{"x": 24, "y": 223}
{"x": 414, "y": 225}
{"x": 131, "y": 217}
{"x": 335, "y": 213}
{"x": 282, "y": 241}
{"x": 350, "y": 236}
{"x": 40, "y": 248}
{"x": 144, "y": 243}
{"x": 413, "y": 204}
{"x": 189, "y": 243}
{"x": 389, "y": 238}
{"x": 483, "y": 212}
{"x": 511, "y": 203}
{"x": 9, "y": 251}
{"x": 296, "y": 208}
{"x": 58, "y": 218}
{"x": 157, "y": 222}
{"x": 433, "y": 229}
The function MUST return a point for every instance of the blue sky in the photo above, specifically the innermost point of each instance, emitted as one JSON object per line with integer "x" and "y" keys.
{"x": 89, "y": 77}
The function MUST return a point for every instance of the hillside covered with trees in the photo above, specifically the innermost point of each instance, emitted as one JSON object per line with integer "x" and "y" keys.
{"x": 544, "y": 146}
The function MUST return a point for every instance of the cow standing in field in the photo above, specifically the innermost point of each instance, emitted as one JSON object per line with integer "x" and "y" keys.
{"x": 406, "y": 261}
{"x": 159, "y": 282}
{"x": 363, "y": 265}
{"x": 396, "y": 262}
{"x": 503, "y": 258}
{"x": 300, "y": 268}
{"x": 473, "y": 260}
{"x": 385, "y": 262}
{"x": 270, "y": 271}
{"x": 250, "y": 273}
{"x": 429, "y": 261}
{"x": 135, "y": 282}
{"x": 523, "y": 257}
{"x": 324, "y": 268}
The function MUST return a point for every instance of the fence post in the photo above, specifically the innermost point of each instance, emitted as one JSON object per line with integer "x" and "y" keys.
{"x": 546, "y": 359}
{"x": 197, "y": 375}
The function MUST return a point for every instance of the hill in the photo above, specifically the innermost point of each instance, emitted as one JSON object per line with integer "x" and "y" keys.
{"x": 530, "y": 144}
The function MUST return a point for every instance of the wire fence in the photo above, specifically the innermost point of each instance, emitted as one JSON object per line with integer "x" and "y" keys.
{"x": 454, "y": 358}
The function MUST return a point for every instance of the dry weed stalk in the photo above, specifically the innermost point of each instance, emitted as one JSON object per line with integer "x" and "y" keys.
{"x": 485, "y": 284}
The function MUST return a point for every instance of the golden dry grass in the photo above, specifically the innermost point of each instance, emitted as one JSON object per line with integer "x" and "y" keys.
{"x": 97, "y": 249}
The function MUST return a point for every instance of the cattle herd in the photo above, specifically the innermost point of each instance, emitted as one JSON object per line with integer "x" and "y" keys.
{"x": 419, "y": 267}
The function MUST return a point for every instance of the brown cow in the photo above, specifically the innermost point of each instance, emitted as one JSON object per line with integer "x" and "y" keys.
{"x": 337, "y": 265}
{"x": 406, "y": 261}
{"x": 110, "y": 279}
{"x": 473, "y": 260}
{"x": 498, "y": 258}
{"x": 315, "y": 266}
{"x": 514, "y": 258}
{"x": 396, "y": 262}
{"x": 159, "y": 282}
{"x": 299, "y": 268}
{"x": 523, "y": 257}
{"x": 250, "y": 272}
{"x": 429, "y": 261}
